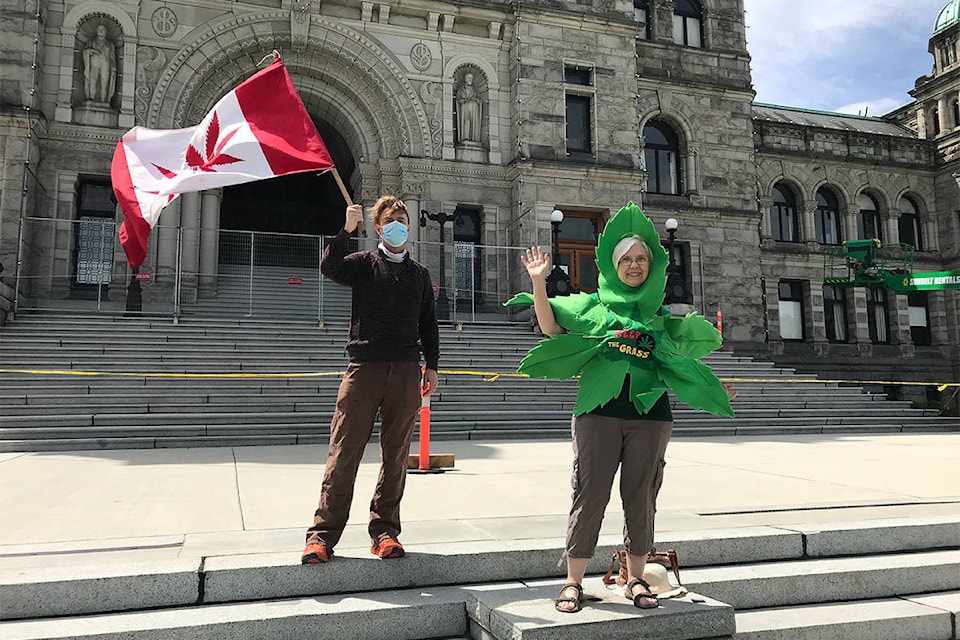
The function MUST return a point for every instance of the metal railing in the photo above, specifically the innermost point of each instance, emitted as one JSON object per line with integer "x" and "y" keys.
{"x": 79, "y": 266}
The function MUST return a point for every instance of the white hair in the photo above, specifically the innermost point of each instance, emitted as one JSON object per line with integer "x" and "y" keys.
{"x": 625, "y": 245}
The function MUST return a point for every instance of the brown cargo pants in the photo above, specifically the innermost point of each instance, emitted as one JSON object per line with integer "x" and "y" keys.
{"x": 600, "y": 445}
{"x": 394, "y": 388}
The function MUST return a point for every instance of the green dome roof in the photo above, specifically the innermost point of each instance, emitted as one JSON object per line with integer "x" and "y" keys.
{"x": 948, "y": 16}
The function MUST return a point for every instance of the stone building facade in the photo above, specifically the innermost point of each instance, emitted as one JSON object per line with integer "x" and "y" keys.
{"x": 497, "y": 112}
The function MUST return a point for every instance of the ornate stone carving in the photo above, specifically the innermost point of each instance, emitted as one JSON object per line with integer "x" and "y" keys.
{"x": 420, "y": 56}
{"x": 432, "y": 95}
{"x": 300, "y": 23}
{"x": 152, "y": 60}
{"x": 164, "y": 22}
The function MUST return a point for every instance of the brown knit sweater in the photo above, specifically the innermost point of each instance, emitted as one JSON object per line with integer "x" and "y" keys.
{"x": 393, "y": 316}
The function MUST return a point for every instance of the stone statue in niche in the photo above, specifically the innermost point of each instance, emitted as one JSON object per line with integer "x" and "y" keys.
{"x": 469, "y": 110}
{"x": 100, "y": 68}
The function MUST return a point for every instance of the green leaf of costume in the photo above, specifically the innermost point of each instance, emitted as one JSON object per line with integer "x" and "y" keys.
{"x": 694, "y": 383}
{"x": 600, "y": 383}
{"x": 560, "y": 357}
{"x": 694, "y": 336}
{"x": 619, "y": 331}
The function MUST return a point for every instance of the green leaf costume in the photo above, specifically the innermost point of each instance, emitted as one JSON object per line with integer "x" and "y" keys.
{"x": 625, "y": 331}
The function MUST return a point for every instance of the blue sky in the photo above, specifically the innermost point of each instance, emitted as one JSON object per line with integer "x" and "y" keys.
{"x": 839, "y": 55}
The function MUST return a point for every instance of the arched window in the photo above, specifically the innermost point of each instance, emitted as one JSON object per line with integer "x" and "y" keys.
{"x": 955, "y": 111}
{"x": 686, "y": 23}
{"x": 911, "y": 231}
{"x": 661, "y": 153}
{"x": 868, "y": 222}
{"x": 935, "y": 116}
{"x": 641, "y": 11}
{"x": 784, "y": 224}
{"x": 827, "y": 217}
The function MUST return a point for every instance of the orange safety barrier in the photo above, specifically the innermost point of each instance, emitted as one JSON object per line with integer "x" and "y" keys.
{"x": 720, "y": 321}
{"x": 423, "y": 464}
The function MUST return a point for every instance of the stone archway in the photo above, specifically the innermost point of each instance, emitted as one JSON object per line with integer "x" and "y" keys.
{"x": 366, "y": 108}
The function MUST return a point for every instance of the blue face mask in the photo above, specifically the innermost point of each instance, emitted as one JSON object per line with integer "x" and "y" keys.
{"x": 395, "y": 234}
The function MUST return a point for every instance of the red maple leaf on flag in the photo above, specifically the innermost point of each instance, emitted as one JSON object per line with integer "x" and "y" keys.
{"x": 214, "y": 149}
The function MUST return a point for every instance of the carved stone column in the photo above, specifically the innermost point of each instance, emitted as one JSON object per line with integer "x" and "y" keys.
{"x": 190, "y": 245}
{"x": 167, "y": 233}
{"x": 209, "y": 239}
{"x": 807, "y": 228}
{"x": 848, "y": 215}
{"x": 892, "y": 230}
{"x": 899, "y": 311}
{"x": 857, "y": 315}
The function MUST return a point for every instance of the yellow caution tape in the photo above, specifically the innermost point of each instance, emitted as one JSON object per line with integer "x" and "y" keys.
{"x": 486, "y": 376}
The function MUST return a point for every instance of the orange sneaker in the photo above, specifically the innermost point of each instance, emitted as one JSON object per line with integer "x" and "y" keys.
{"x": 386, "y": 546}
{"x": 315, "y": 553}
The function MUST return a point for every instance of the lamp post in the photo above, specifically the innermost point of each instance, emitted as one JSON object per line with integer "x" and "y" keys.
{"x": 558, "y": 282}
{"x": 443, "y": 303}
{"x": 675, "y": 289}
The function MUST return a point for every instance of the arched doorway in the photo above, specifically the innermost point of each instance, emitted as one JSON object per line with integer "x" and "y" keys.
{"x": 302, "y": 203}
{"x": 274, "y": 216}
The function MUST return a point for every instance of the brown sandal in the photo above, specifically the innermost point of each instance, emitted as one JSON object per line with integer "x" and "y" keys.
{"x": 564, "y": 599}
{"x": 636, "y": 598}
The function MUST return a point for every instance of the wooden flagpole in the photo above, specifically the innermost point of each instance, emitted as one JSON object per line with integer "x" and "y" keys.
{"x": 346, "y": 196}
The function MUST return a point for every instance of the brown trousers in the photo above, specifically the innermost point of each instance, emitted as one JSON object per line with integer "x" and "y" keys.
{"x": 394, "y": 388}
{"x": 600, "y": 445}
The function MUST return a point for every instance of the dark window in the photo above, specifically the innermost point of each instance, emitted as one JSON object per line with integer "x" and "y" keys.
{"x": 686, "y": 24}
{"x": 868, "y": 223}
{"x": 835, "y": 313}
{"x": 919, "y": 318}
{"x": 579, "y": 137}
{"x": 955, "y": 110}
{"x": 577, "y": 228}
{"x": 784, "y": 224}
{"x": 578, "y": 75}
{"x": 791, "y": 310}
{"x": 661, "y": 153}
{"x": 678, "y": 286}
{"x": 467, "y": 254}
{"x": 827, "y": 218}
{"x": 641, "y": 12}
{"x": 877, "y": 320}
{"x": 909, "y": 225}
{"x": 935, "y": 116}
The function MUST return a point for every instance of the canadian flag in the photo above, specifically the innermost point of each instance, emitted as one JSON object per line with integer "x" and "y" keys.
{"x": 257, "y": 131}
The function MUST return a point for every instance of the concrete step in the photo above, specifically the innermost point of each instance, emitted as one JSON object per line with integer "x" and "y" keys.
{"x": 918, "y": 617}
{"x": 482, "y": 418}
{"x": 503, "y": 588}
{"x": 20, "y": 405}
{"x": 811, "y": 581}
{"x": 501, "y": 611}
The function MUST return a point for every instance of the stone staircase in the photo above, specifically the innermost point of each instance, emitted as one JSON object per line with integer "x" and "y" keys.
{"x": 885, "y": 580}
{"x": 143, "y": 383}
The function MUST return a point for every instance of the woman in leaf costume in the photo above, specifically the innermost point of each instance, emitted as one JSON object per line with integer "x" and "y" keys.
{"x": 627, "y": 351}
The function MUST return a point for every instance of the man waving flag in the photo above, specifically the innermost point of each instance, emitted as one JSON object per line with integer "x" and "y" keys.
{"x": 257, "y": 131}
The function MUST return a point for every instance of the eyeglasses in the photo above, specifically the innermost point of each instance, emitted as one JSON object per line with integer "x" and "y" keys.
{"x": 630, "y": 261}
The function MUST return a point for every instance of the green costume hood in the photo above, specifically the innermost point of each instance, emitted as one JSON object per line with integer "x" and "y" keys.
{"x": 624, "y": 331}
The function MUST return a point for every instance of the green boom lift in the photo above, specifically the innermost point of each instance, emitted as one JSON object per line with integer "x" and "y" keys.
{"x": 868, "y": 263}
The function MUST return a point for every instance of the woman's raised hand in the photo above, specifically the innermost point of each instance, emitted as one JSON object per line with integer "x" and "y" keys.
{"x": 537, "y": 263}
